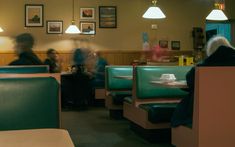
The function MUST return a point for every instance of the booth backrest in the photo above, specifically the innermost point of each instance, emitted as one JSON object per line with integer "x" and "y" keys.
{"x": 213, "y": 118}
{"x": 113, "y": 83}
{"x": 29, "y": 103}
{"x": 25, "y": 69}
{"x": 145, "y": 74}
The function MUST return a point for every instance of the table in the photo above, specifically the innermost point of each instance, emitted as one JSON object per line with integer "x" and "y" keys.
{"x": 174, "y": 84}
{"x": 124, "y": 77}
{"x": 66, "y": 73}
{"x": 36, "y": 138}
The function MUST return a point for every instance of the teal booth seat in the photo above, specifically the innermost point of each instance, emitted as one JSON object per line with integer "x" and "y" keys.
{"x": 158, "y": 112}
{"x": 29, "y": 103}
{"x": 146, "y": 74}
{"x": 114, "y": 83}
{"x": 24, "y": 69}
{"x": 119, "y": 88}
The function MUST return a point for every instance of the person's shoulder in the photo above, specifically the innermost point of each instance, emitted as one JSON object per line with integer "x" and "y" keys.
{"x": 15, "y": 62}
{"x": 19, "y": 62}
{"x": 47, "y": 61}
{"x": 103, "y": 60}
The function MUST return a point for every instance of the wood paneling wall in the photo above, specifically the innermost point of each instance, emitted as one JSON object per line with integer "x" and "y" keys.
{"x": 113, "y": 57}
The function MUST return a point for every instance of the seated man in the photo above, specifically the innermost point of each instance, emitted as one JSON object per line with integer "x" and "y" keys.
{"x": 53, "y": 61}
{"x": 23, "y": 49}
{"x": 220, "y": 53}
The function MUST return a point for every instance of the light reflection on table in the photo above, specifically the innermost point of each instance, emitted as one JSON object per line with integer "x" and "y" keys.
{"x": 124, "y": 77}
{"x": 173, "y": 84}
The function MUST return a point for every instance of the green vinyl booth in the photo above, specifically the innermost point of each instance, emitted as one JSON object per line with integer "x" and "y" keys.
{"x": 151, "y": 106}
{"x": 157, "y": 101}
{"x": 29, "y": 103}
{"x": 24, "y": 69}
{"x": 117, "y": 88}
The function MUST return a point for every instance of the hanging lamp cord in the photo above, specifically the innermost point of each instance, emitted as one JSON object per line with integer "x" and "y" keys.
{"x": 73, "y": 11}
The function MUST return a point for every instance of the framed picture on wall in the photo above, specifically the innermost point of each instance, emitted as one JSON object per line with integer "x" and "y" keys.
{"x": 163, "y": 44}
{"x": 54, "y": 27}
{"x": 107, "y": 17}
{"x": 175, "y": 45}
{"x": 34, "y": 15}
{"x": 87, "y": 13}
{"x": 88, "y": 28}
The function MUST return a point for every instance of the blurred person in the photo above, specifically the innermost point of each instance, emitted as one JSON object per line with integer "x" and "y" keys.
{"x": 79, "y": 58}
{"x": 23, "y": 48}
{"x": 99, "y": 75}
{"x": 76, "y": 88}
{"x": 53, "y": 61}
{"x": 219, "y": 53}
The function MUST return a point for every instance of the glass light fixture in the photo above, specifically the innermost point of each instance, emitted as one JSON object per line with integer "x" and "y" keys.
{"x": 1, "y": 30}
{"x": 217, "y": 14}
{"x": 154, "y": 12}
{"x": 73, "y": 29}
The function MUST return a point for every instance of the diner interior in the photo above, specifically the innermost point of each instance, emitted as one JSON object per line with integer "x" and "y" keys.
{"x": 111, "y": 73}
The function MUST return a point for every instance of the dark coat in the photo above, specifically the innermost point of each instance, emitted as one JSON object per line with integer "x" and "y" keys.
{"x": 53, "y": 66}
{"x": 27, "y": 58}
{"x": 223, "y": 56}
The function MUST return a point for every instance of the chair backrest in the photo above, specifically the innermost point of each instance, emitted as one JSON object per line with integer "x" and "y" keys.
{"x": 25, "y": 69}
{"x": 143, "y": 75}
{"x": 214, "y": 100}
{"x": 113, "y": 83}
{"x": 29, "y": 103}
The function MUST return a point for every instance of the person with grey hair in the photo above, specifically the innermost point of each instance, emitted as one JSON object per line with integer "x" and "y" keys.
{"x": 23, "y": 48}
{"x": 219, "y": 53}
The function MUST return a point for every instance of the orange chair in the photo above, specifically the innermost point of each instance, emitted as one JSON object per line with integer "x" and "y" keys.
{"x": 213, "y": 116}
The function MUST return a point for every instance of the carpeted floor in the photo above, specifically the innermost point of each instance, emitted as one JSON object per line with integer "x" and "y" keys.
{"x": 94, "y": 128}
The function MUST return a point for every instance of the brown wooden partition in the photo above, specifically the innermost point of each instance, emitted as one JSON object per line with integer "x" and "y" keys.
{"x": 213, "y": 116}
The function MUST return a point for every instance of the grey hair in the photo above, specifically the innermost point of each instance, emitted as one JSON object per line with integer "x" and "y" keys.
{"x": 215, "y": 42}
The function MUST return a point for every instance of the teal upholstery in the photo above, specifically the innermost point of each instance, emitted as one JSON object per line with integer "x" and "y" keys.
{"x": 159, "y": 112}
{"x": 24, "y": 69}
{"x": 146, "y": 90}
{"x": 118, "y": 97}
{"x": 29, "y": 103}
{"x": 113, "y": 83}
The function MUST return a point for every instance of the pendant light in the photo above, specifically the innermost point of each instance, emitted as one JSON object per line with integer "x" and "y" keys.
{"x": 73, "y": 29}
{"x": 217, "y": 14}
{"x": 154, "y": 12}
{"x": 1, "y": 30}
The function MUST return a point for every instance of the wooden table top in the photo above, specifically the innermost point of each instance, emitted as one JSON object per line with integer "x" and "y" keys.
{"x": 36, "y": 138}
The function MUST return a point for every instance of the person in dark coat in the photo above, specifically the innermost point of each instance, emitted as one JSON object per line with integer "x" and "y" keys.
{"x": 220, "y": 53}
{"x": 76, "y": 88}
{"x": 23, "y": 48}
{"x": 53, "y": 61}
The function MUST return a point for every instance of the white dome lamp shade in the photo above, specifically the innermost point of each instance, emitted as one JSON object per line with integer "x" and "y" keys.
{"x": 217, "y": 14}
{"x": 73, "y": 29}
{"x": 1, "y": 30}
{"x": 154, "y": 12}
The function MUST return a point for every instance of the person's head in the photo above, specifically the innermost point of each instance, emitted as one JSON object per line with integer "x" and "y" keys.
{"x": 24, "y": 42}
{"x": 214, "y": 43}
{"x": 79, "y": 56}
{"x": 52, "y": 54}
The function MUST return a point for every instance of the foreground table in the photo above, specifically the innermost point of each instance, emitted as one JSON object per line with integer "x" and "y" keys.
{"x": 36, "y": 138}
